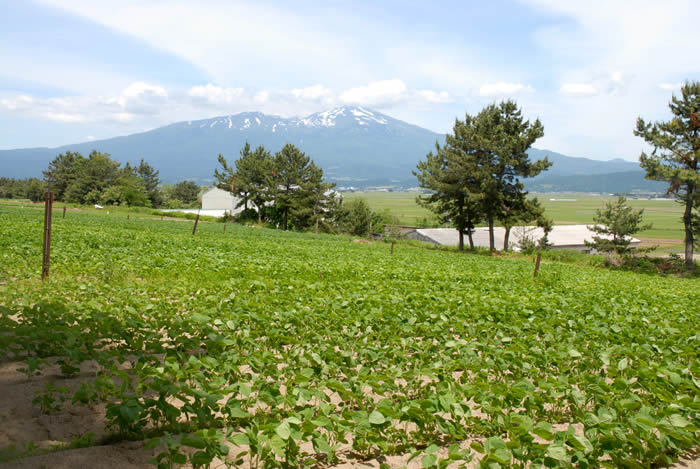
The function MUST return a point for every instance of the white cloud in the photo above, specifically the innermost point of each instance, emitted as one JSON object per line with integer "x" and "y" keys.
{"x": 378, "y": 93}
{"x": 90, "y": 138}
{"x": 261, "y": 97}
{"x": 578, "y": 89}
{"x": 142, "y": 98}
{"x": 64, "y": 117}
{"x": 17, "y": 103}
{"x": 670, "y": 86}
{"x": 617, "y": 77}
{"x": 215, "y": 97}
{"x": 315, "y": 92}
{"x": 431, "y": 96}
{"x": 504, "y": 89}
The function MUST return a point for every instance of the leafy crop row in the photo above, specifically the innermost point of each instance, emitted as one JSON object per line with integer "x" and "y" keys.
{"x": 285, "y": 350}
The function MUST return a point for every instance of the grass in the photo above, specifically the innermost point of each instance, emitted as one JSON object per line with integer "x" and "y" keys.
{"x": 665, "y": 215}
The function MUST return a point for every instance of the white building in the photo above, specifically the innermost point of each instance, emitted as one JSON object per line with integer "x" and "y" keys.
{"x": 561, "y": 237}
{"x": 218, "y": 199}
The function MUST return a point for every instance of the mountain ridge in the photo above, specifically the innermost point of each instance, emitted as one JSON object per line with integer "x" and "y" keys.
{"x": 354, "y": 145}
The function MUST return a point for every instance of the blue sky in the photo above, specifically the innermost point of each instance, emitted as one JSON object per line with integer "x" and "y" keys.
{"x": 77, "y": 70}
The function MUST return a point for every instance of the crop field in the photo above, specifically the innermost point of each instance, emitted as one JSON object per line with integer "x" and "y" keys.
{"x": 260, "y": 348}
{"x": 665, "y": 215}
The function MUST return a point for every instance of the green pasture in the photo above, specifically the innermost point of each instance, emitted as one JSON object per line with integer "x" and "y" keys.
{"x": 665, "y": 215}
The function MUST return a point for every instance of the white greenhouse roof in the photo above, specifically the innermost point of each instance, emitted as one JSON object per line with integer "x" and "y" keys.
{"x": 561, "y": 236}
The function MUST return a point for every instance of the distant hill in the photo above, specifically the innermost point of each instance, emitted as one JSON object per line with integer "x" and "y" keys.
{"x": 571, "y": 166}
{"x": 627, "y": 182}
{"x": 355, "y": 146}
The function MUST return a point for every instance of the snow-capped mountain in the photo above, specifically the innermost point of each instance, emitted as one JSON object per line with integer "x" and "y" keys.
{"x": 353, "y": 145}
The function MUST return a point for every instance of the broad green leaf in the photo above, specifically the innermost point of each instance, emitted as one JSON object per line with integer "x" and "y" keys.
{"x": 240, "y": 439}
{"x": 623, "y": 364}
{"x": 283, "y": 430}
{"x": 194, "y": 441}
{"x": 376, "y": 418}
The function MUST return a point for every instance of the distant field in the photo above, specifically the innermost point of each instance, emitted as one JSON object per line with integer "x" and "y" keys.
{"x": 665, "y": 215}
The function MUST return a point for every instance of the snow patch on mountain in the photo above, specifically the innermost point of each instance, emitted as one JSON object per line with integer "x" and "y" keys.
{"x": 341, "y": 117}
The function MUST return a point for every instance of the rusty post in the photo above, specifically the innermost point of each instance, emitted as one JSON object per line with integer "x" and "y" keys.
{"x": 392, "y": 248}
{"x": 196, "y": 220}
{"x": 64, "y": 211}
{"x": 128, "y": 217}
{"x": 225, "y": 227}
{"x": 537, "y": 264}
{"x": 47, "y": 236}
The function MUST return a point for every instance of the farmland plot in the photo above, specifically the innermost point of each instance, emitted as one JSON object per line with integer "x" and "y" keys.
{"x": 270, "y": 349}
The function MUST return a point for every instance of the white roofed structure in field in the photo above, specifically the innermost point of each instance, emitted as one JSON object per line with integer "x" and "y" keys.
{"x": 561, "y": 236}
{"x": 218, "y": 199}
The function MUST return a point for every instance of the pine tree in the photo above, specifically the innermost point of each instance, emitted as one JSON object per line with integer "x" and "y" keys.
{"x": 476, "y": 174}
{"x": 149, "y": 175}
{"x": 248, "y": 178}
{"x": 449, "y": 175}
{"x": 290, "y": 170}
{"x": 62, "y": 172}
{"x": 504, "y": 137}
{"x": 252, "y": 173}
{"x": 675, "y": 157}
{"x": 618, "y": 222}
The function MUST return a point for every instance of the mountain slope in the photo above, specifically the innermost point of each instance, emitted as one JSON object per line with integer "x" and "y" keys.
{"x": 350, "y": 143}
{"x": 354, "y": 146}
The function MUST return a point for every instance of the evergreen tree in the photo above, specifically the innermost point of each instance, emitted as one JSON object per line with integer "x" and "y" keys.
{"x": 289, "y": 170}
{"x": 618, "y": 222}
{"x": 297, "y": 186}
{"x": 476, "y": 174}
{"x": 248, "y": 178}
{"x": 449, "y": 175}
{"x": 151, "y": 181}
{"x": 356, "y": 217}
{"x": 675, "y": 157}
{"x": 62, "y": 172}
{"x": 91, "y": 176}
{"x": 186, "y": 191}
{"x": 313, "y": 199}
{"x": 503, "y": 137}
{"x": 251, "y": 176}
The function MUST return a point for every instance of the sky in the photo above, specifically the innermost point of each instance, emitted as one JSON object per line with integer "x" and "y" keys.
{"x": 79, "y": 70}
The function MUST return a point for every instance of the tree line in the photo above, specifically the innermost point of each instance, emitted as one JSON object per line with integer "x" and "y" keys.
{"x": 98, "y": 179}
{"x": 288, "y": 190}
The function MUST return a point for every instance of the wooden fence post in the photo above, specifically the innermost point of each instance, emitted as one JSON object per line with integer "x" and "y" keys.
{"x": 196, "y": 220}
{"x": 48, "y": 207}
{"x": 392, "y": 248}
{"x": 537, "y": 264}
{"x": 64, "y": 211}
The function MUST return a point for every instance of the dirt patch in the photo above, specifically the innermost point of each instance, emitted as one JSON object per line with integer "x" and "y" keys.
{"x": 127, "y": 455}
